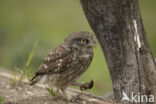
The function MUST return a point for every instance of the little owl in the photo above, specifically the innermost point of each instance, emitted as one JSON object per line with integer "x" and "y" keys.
{"x": 64, "y": 64}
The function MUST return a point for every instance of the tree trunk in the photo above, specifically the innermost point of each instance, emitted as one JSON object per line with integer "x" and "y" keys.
{"x": 119, "y": 29}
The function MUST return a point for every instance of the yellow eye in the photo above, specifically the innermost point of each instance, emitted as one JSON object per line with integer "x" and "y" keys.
{"x": 83, "y": 41}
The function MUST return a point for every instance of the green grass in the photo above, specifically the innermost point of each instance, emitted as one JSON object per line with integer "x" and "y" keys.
{"x": 50, "y": 21}
{"x": 53, "y": 93}
{"x": 26, "y": 71}
{"x": 2, "y": 98}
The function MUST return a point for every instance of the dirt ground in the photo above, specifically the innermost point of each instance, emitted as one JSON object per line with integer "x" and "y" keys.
{"x": 25, "y": 94}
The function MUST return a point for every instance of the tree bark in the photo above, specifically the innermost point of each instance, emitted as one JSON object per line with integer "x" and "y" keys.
{"x": 119, "y": 29}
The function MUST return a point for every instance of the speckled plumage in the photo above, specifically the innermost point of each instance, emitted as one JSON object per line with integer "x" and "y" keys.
{"x": 64, "y": 64}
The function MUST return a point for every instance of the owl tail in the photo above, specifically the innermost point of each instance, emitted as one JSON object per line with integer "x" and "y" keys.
{"x": 38, "y": 79}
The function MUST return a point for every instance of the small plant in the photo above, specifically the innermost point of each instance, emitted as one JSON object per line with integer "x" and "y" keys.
{"x": 14, "y": 80}
{"x": 27, "y": 65}
{"x": 2, "y": 98}
{"x": 51, "y": 91}
{"x": 25, "y": 71}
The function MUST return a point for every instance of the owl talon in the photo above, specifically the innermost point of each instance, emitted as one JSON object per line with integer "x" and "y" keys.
{"x": 86, "y": 86}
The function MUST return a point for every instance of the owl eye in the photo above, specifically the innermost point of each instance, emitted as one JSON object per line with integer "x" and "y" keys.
{"x": 84, "y": 40}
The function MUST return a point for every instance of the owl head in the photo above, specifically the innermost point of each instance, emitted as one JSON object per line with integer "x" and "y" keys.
{"x": 80, "y": 40}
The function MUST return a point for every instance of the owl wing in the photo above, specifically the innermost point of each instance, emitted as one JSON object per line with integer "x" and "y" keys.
{"x": 56, "y": 61}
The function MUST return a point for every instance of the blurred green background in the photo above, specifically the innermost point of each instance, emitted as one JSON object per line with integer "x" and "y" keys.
{"x": 49, "y": 22}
